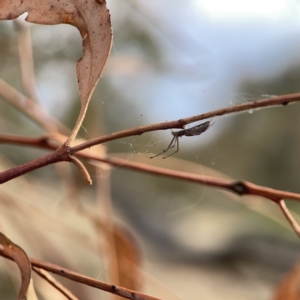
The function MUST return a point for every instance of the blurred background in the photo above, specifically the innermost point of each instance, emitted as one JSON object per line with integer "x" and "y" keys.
{"x": 169, "y": 60}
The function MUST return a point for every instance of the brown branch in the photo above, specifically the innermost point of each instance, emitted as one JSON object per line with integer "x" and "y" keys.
{"x": 81, "y": 168}
{"x": 59, "y": 155}
{"x": 289, "y": 216}
{"x": 65, "y": 151}
{"x": 274, "y": 101}
{"x": 116, "y": 290}
{"x": 57, "y": 285}
{"x": 238, "y": 187}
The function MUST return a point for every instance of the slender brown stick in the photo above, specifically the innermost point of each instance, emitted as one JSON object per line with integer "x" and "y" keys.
{"x": 238, "y": 187}
{"x": 289, "y": 216}
{"x": 61, "y": 154}
{"x": 57, "y": 285}
{"x": 82, "y": 169}
{"x": 116, "y": 290}
{"x": 66, "y": 150}
{"x": 274, "y": 101}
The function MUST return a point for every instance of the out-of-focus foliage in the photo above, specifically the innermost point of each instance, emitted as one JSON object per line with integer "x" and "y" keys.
{"x": 160, "y": 70}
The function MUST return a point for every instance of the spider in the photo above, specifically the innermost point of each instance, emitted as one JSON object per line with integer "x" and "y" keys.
{"x": 196, "y": 130}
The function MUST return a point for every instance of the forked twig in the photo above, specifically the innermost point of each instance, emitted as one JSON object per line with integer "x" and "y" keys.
{"x": 65, "y": 151}
{"x": 57, "y": 285}
{"x": 274, "y": 101}
{"x": 238, "y": 187}
{"x": 289, "y": 216}
{"x": 82, "y": 169}
{"x": 113, "y": 289}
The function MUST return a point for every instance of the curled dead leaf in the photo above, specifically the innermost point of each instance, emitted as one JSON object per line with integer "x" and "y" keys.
{"x": 21, "y": 259}
{"x": 92, "y": 19}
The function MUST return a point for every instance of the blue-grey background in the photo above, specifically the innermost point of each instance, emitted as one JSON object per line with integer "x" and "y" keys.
{"x": 172, "y": 59}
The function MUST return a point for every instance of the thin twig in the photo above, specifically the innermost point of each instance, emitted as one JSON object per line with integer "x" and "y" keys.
{"x": 289, "y": 216}
{"x": 65, "y": 151}
{"x": 116, "y": 290}
{"x": 82, "y": 169}
{"x": 59, "y": 155}
{"x": 274, "y": 101}
{"x": 57, "y": 285}
{"x": 238, "y": 187}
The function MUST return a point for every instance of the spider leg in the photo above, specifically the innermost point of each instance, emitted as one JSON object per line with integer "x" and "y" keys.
{"x": 175, "y": 144}
{"x": 169, "y": 147}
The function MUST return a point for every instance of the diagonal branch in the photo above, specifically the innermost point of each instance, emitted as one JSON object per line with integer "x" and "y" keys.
{"x": 116, "y": 290}
{"x": 65, "y": 151}
{"x": 274, "y": 101}
{"x": 57, "y": 285}
{"x": 289, "y": 216}
{"x": 59, "y": 155}
{"x": 238, "y": 187}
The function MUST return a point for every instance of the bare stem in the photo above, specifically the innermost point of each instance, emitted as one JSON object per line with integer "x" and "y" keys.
{"x": 274, "y": 101}
{"x": 289, "y": 216}
{"x": 57, "y": 285}
{"x": 65, "y": 151}
{"x": 238, "y": 187}
{"x": 61, "y": 154}
{"x": 82, "y": 169}
{"x": 113, "y": 289}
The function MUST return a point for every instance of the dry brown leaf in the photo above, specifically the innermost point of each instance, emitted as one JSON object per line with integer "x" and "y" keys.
{"x": 21, "y": 259}
{"x": 289, "y": 288}
{"x": 129, "y": 261}
{"x": 92, "y": 19}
